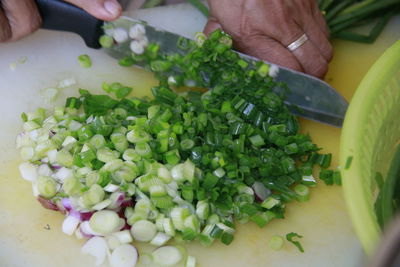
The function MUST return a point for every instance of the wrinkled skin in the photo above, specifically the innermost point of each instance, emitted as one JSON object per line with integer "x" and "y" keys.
{"x": 19, "y": 18}
{"x": 264, "y": 29}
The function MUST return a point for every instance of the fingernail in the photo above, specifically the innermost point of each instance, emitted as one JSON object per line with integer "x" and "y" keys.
{"x": 112, "y": 7}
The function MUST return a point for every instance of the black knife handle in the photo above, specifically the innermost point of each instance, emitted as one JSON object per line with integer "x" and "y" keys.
{"x": 61, "y": 16}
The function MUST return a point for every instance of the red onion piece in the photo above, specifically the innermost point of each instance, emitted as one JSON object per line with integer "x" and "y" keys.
{"x": 126, "y": 227}
{"x": 85, "y": 216}
{"x": 67, "y": 203}
{"x": 56, "y": 167}
{"x": 47, "y": 203}
{"x": 120, "y": 199}
{"x": 127, "y": 203}
{"x": 260, "y": 191}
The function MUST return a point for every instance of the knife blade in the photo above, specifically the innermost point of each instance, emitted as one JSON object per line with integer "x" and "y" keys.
{"x": 308, "y": 97}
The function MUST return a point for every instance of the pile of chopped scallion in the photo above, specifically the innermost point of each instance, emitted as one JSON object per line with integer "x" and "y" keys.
{"x": 186, "y": 166}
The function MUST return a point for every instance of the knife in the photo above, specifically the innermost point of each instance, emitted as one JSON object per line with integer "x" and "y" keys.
{"x": 308, "y": 97}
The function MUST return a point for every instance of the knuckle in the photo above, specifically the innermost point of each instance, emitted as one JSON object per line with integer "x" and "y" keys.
{"x": 30, "y": 26}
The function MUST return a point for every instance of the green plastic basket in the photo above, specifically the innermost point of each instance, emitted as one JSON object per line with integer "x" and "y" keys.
{"x": 370, "y": 132}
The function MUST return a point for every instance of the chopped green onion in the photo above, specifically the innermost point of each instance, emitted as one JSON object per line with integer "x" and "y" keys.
{"x": 276, "y": 242}
{"x": 182, "y": 163}
{"x": 85, "y": 61}
{"x": 187, "y": 144}
{"x": 167, "y": 256}
{"x": 93, "y": 196}
{"x": 348, "y": 162}
{"x": 172, "y": 157}
{"x": 143, "y": 230}
{"x": 303, "y": 192}
{"x": 257, "y": 140}
{"x": 270, "y": 202}
{"x": 106, "y": 41}
{"x": 326, "y": 176}
{"x": 290, "y": 237}
{"x": 104, "y": 222}
{"x": 190, "y": 261}
{"x": 47, "y": 186}
{"x": 226, "y": 238}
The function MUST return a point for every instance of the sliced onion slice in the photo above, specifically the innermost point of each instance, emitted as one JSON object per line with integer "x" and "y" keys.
{"x": 87, "y": 230}
{"x": 143, "y": 230}
{"x": 167, "y": 256}
{"x": 105, "y": 222}
{"x": 124, "y": 236}
{"x": 124, "y": 256}
{"x": 260, "y": 191}
{"x": 70, "y": 224}
{"x": 96, "y": 247}
{"x": 28, "y": 171}
{"x": 160, "y": 239}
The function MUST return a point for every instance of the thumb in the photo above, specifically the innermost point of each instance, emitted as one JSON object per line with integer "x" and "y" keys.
{"x": 101, "y": 9}
{"x": 212, "y": 25}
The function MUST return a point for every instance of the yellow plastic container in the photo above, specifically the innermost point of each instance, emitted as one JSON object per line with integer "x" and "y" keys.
{"x": 370, "y": 132}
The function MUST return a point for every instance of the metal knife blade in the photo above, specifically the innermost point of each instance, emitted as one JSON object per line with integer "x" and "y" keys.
{"x": 308, "y": 97}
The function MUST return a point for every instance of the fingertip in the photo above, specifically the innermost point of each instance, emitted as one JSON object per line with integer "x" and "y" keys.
{"x": 212, "y": 25}
{"x": 102, "y": 9}
{"x": 5, "y": 29}
{"x": 320, "y": 71}
{"x": 113, "y": 9}
{"x": 330, "y": 53}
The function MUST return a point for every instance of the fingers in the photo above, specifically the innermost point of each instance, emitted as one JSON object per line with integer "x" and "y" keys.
{"x": 314, "y": 54}
{"x": 20, "y": 18}
{"x": 311, "y": 59}
{"x": 308, "y": 54}
{"x": 265, "y": 29}
{"x": 5, "y": 29}
{"x": 101, "y": 9}
{"x": 268, "y": 49}
{"x": 319, "y": 19}
{"x": 212, "y": 25}
{"x": 260, "y": 46}
{"x": 319, "y": 39}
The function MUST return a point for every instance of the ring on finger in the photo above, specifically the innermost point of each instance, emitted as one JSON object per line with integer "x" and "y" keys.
{"x": 299, "y": 42}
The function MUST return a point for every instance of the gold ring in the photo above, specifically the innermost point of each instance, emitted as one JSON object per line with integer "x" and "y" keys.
{"x": 299, "y": 42}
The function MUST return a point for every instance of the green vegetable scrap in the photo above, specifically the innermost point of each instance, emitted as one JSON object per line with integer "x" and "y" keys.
{"x": 348, "y": 162}
{"x": 276, "y": 242}
{"x": 85, "y": 61}
{"x": 119, "y": 90}
{"x": 291, "y": 236}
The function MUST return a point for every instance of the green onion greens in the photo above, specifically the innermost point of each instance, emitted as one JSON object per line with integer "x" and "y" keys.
{"x": 185, "y": 165}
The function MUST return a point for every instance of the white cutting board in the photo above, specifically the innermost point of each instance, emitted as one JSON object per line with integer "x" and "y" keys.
{"x": 31, "y": 236}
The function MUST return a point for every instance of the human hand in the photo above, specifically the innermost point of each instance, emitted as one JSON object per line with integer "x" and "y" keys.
{"x": 265, "y": 28}
{"x": 20, "y": 18}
